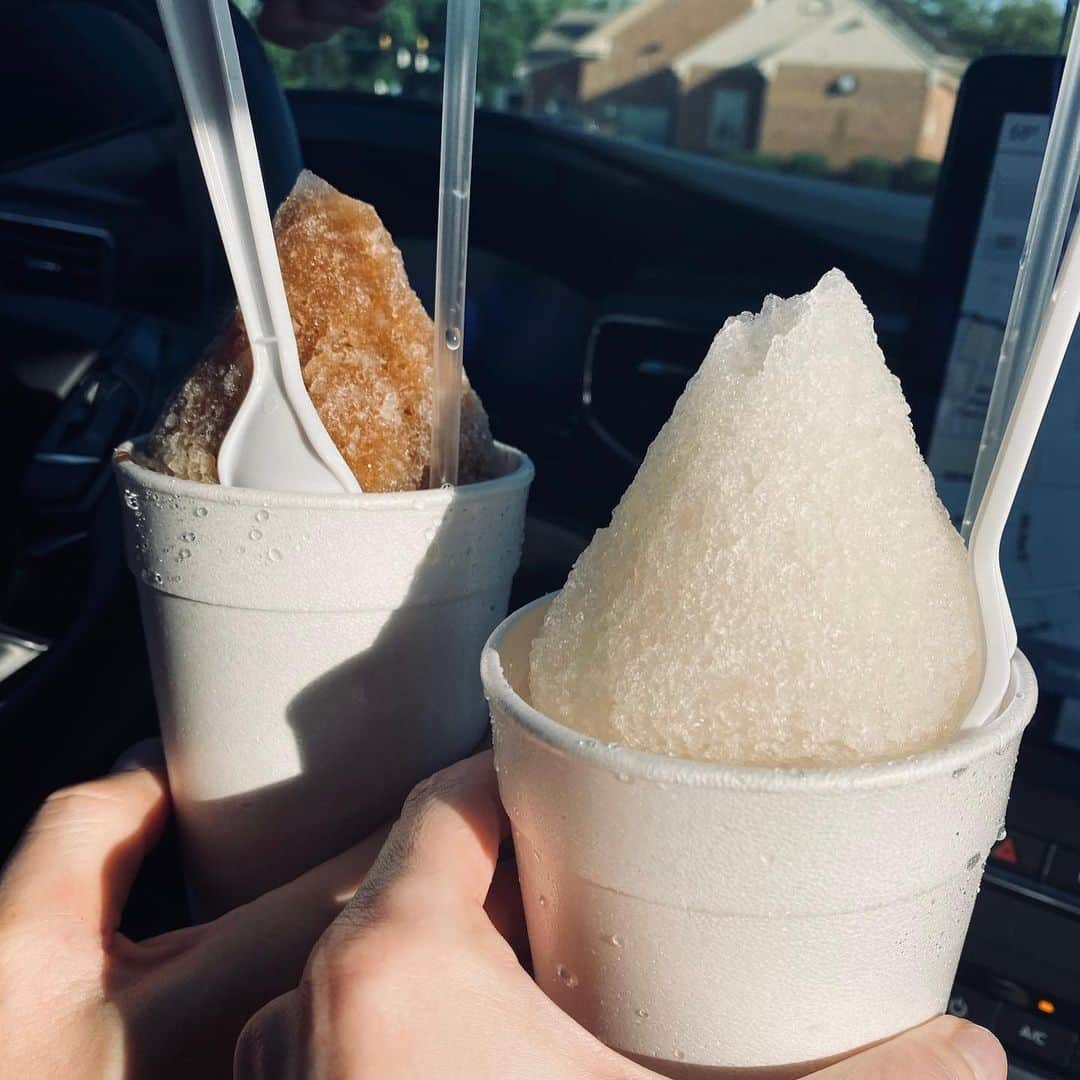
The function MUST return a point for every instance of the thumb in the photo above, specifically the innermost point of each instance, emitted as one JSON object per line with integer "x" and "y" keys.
{"x": 945, "y": 1047}
{"x": 79, "y": 855}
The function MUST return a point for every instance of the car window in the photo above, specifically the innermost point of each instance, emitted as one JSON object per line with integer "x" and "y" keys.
{"x": 858, "y": 91}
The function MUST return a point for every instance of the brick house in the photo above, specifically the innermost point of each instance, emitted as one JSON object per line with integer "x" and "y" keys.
{"x": 619, "y": 72}
{"x": 844, "y": 78}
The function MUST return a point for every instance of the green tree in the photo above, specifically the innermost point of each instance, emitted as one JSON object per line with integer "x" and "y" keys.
{"x": 1024, "y": 26}
{"x": 980, "y": 27}
{"x": 403, "y": 52}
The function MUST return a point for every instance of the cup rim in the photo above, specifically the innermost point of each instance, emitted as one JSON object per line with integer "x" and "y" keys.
{"x": 520, "y": 474}
{"x": 965, "y": 748}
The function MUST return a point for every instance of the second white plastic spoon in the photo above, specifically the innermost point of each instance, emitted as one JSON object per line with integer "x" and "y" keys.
{"x": 984, "y": 548}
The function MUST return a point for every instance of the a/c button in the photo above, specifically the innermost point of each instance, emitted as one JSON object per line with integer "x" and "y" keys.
{"x": 1035, "y": 1038}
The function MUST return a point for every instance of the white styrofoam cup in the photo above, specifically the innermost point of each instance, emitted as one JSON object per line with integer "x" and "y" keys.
{"x": 714, "y": 920}
{"x": 313, "y": 656}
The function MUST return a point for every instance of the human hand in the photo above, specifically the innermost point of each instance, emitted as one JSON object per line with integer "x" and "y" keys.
{"x": 78, "y": 999}
{"x": 417, "y": 979}
{"x": 296, "y": 23}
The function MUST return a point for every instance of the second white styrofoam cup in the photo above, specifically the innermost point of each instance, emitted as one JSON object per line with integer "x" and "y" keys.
{"x": 707, "y": 919}
{"x": 313, "y": 656}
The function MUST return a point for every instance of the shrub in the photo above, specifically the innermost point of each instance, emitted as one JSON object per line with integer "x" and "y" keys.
{"x": 754, "y": 159}
{"x": 873, "y": 172}
{"x": 808, "y": 164}
{"x": 917, "y": 175}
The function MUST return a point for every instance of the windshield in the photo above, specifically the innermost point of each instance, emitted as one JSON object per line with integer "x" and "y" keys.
{"x": 858, "y": 91}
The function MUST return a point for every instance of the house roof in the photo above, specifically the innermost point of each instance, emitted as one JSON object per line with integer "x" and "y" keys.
{"x": 612, "y": 26}
{"x": 901, "y": 12}
{"x": 566, "y": 38}
{"x": 905, "y": 15}
{"x": 775, "y": 29}
{"x": 769, "y": 30}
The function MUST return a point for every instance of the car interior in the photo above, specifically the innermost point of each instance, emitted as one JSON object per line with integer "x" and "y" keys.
{"x": 599, "y": 272}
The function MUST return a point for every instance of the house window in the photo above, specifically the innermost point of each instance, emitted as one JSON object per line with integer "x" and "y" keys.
{"x": 646, "y": 123}
{"x": 843, "y": 85}
{"x": 729, "y": 120}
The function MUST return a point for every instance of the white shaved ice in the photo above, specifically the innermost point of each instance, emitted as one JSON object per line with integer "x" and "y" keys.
{"x": 780, "y": 584}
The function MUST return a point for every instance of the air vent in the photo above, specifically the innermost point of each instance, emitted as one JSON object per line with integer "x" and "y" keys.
{"x": 55, "y": 258}
{"x": 635, "y": 370}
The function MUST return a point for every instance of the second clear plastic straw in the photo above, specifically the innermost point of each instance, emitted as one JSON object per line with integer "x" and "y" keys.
{"x": 455, "y": 177}
{"x": 1038, "y": 268}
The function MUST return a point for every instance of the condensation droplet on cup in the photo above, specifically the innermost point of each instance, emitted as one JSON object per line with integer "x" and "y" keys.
{"x": 429, "y": 535}
{"x": 200, "y": 511}
{"x": 680, "y": 1055}
{"x": 973, "y": 861}
{"x": 183, "y": 553}
{"x": 453, "y": 338}
{"x": 543, "y": 900}
{"x": 624, "y": 777}
{"x": 566, "y": 976}
{"x": 262, "y": 516}
{"x": 131, "y": 499}
{"x": 642, "y": 1013}
{"x": 254, "y": 535}
{"x": 613, "y": 940}
{"x": 188, "y": 537}
{"x": 275, "y": 555}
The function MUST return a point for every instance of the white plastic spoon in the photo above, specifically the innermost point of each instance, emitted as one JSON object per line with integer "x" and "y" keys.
{"x": 984, "y": 549}
{"x": 277, "y": 440}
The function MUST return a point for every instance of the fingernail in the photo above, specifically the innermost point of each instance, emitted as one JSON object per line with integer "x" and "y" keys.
{"x": 981, "y": 1051}
{"x": 146, "y": 754}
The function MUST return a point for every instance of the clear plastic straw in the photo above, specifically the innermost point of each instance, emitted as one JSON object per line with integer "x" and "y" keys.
{"x": 1038, "y": 267}
{"x": 455, "y": 177}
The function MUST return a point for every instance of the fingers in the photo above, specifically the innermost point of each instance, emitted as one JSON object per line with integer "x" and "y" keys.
{"x": 272, "y": 1043}
{"x": 443, "y": 849}
{"x": 343, "y": 12}
{"x": 944, "y": 1049}
{"x": 81, "y": 852}
{"x": 505, "y": 910}
{"x": 419, "y": 910}
{"x": 283, "y": 25}
{"x": 296, "y": 23}
{"x": 450, "y": 825}
{"x": 213, "y": 977}
{"x": 259, "y": 950}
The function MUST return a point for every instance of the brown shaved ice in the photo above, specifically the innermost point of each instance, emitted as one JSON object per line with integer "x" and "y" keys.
{"x": 365, "y": 344}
